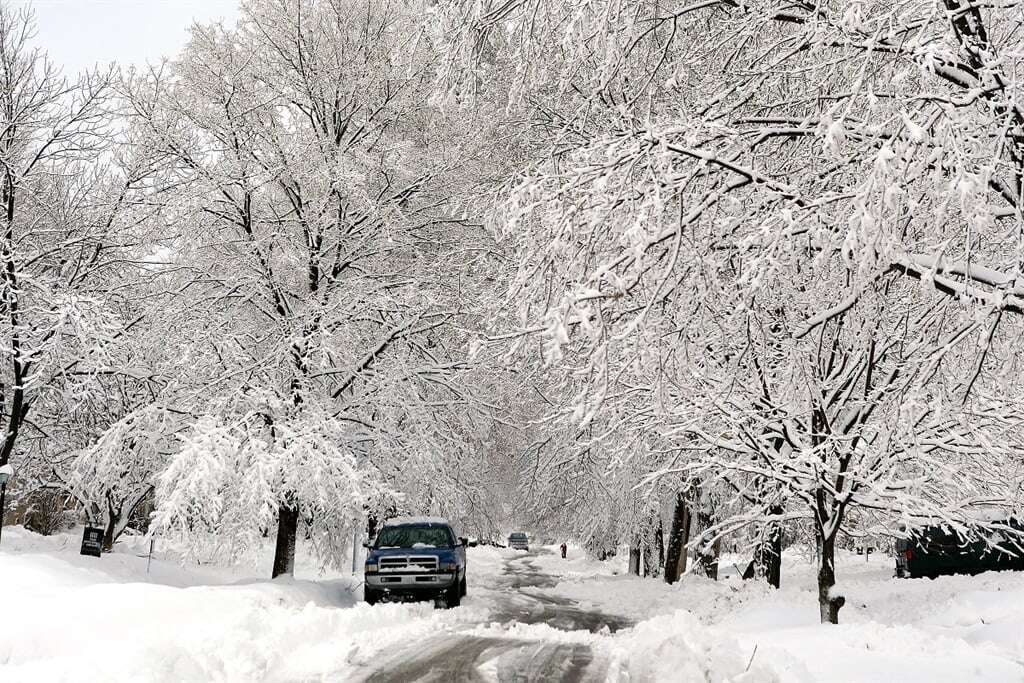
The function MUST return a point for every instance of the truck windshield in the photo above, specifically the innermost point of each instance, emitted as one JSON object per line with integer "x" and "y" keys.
{"x": 414, "y": 537}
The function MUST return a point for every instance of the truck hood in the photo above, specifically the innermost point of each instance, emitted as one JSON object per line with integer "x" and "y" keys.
{"x": 442, "y": 554}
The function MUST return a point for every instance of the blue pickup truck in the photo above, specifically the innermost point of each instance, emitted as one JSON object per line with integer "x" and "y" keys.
{"x": 416, "y": 558}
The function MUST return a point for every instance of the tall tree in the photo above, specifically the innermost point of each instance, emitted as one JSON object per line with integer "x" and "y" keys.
{"x": 312, "y": 193}
{"x": 63, "y": 241}
{"x": 818, "y": 278}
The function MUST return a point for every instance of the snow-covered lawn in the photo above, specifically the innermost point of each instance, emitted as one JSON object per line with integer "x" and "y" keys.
{"x": 72, "y": 618}
{"x": 68, "y": 617}
{"x": 955, "y": 628}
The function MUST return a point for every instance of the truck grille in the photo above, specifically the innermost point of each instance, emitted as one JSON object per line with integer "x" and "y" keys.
{"x": 409, "y": 563}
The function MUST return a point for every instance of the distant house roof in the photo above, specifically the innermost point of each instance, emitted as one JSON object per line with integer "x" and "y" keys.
{"x": 406, "y": 521}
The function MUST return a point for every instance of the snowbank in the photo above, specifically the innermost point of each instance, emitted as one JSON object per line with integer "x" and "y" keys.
{"x": 486, "y": 561}
{"x": 77, "y": 618}
{"x": 678, "y": 647}
{"x": 957, "y": 628}
{"x": 674, "y": 647}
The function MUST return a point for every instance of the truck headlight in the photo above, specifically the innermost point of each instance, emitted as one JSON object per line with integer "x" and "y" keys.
{"x": 371, "y": 568}
{"x": 448, "y": 566}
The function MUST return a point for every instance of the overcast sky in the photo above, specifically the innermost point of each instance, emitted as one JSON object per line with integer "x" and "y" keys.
{"x": 78, "y": 34}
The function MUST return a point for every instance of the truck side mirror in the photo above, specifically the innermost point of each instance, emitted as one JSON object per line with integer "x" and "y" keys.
{"x": 367, "y": 544}
{"x": 462, "y": 541}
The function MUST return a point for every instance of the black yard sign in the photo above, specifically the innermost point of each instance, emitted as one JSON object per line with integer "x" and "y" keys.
{"x": 92, "y": 541}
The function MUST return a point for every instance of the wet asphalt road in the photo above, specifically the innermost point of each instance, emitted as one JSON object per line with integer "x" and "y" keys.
{"x": 464, "y": 657}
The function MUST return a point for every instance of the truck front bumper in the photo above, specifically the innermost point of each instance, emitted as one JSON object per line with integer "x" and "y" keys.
{"x": 411, "y": 585}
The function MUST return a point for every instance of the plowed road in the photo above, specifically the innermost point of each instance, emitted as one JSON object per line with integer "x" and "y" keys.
{"x": 517, "y": 598}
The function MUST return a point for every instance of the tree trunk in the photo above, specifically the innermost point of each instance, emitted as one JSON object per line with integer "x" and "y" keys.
{"x": 705, "y": 560}
{"x": 705, "y": 556}
{"x": 659, "y": 541}
{"x": 653, "y": 547}
{"x": 678, "y": 537}
{"x": 371, "y": 526}
{"x": 284, "y": 553}
{"x": 828, "y": 604}
{"x": 374, "y": 521}
{"x": 768, "y": 554}
{"x": 634, "y": 561}
{"x": 3, "y": 505}
{"x": 773, "y": 558}
{"x": 108, "y": 533}
{"x": 650, "y": 563}
{"x": 119, "y": 517}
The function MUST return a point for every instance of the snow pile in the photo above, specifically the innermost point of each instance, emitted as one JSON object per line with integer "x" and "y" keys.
{"x": 486, "y": 561}
{"x": 76, "y": 618}
{"x": 677, "y": 647}
{"x": 538, "y": 632}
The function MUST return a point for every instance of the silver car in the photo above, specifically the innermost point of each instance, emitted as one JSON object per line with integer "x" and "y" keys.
{"x": 518, "y": 541}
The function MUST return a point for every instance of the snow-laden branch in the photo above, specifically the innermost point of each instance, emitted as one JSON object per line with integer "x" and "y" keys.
{"x": 1008, "y": 295}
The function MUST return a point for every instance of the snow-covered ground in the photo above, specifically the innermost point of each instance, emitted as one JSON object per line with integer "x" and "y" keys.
{"x": 955, "y": 628}
{"x": 68, "y": 617}
{"x": 72, "y": 618}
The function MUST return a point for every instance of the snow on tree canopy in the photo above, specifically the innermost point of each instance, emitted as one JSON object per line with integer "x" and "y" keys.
{"x": 778, "y": 334}
{"x": 232, "y": 473}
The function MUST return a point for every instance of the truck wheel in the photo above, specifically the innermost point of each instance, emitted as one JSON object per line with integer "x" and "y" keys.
{"x": 462, "y": 587}
{"x": 453, "y": 596}
{"x": 371, "y": 596}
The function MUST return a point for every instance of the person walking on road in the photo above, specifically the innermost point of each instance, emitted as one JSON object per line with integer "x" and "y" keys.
{"x": 563, "y": 551}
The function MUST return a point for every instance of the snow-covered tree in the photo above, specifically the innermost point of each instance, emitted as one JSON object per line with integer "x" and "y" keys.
{"x": 63, "y": 244}
{"x": 312, "y": 198}
{"x": 798, "y": 244}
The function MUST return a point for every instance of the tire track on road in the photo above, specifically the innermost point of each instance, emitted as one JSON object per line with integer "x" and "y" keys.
{"x": 469, "y": 658}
